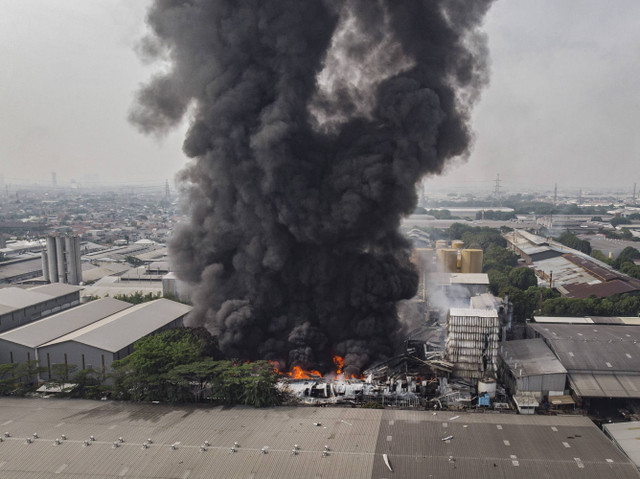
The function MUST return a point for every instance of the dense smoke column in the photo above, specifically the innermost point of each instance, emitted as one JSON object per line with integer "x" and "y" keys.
{"x": 296, "y": 189}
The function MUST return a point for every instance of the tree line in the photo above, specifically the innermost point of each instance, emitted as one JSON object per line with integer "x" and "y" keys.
{"x": 178, "y": 366}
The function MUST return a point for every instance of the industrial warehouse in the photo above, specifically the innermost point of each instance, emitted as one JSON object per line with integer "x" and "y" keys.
{"x": 90, "y": 336}
{"x": 65, "y": 439}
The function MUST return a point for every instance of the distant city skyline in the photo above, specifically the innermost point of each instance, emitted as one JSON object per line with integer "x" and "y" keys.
{"x": 562, "y": 105}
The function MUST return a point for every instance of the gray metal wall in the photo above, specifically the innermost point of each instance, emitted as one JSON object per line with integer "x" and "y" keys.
{"x": 31, "y": 313}
{"x": 93, "y": 357}
{"x": 17, "y": 352}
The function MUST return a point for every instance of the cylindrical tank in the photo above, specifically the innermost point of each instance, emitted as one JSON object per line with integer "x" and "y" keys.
{"x": 487, "y": 385}
{"x": 448, "y": 259}
{"x": 457, "y": 244}
{"x": 51, "y": 258}
{"x": 45, "y": 265}
{"x": 69, "y": 243}
{"x": 441, "y": 244}
{"x": 471, "y": 261}
{"x": 60, "y": 253}
{"x": 76, "y": 241}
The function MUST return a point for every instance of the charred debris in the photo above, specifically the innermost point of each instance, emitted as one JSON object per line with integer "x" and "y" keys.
{"x": 442, "y": 366}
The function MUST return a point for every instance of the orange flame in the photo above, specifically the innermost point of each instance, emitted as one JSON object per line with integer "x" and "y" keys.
{"x": 299, "y": 373}
{"x": 339, "y": 362}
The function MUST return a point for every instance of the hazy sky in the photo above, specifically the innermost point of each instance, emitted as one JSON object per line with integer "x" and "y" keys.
{"x": 563, "y": 104}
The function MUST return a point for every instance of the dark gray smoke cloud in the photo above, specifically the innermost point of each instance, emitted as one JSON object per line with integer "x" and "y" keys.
{"x": 311, "y": 123}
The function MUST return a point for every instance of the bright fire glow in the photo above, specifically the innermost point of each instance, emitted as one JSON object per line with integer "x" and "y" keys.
{"x": 339, "y": 362}
{"x": 299, "y": 373}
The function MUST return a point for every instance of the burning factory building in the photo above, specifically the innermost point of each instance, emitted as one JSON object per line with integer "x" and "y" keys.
{"x": 310, "y": 124}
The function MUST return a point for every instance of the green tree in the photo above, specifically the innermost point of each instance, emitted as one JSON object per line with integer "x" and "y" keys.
{"x": 615, "y": 305}
{"x": 629, "y": 254}
{"x": 499, "y": 258}
{"x": 619, "y": 221}
{"x": 572, "y": 241}
{"x": 523, "y": 278}
{"x": 498, "y": 281}
{"x": 8, "y": 377}
{"x": 133, "y": 261}
{"x": 141, "y": 376}
{"x": 25, "y": 375}
{"x": 600, "y": 256}
{"x": 61, "y": 374}
{"x": 88, "y": 384}
{"x": 137, "y": 297}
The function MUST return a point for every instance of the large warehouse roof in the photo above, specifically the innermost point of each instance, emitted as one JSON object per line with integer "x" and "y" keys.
{"x": 602, "y": 360}
{"x": 52, "y": 327}
{"x": 629, "y": 320}
{"x": 14, "y": 298}
{"x": 481, "y": 445}
{"x": 594, "y": 347}
{"x": 18, "y": 298}
{"x": 126, "y": 327}
{"x": 530, "y": 357}
{"x": 56, "y": 289}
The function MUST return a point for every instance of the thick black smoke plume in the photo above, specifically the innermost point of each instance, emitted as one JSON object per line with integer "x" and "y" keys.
{"x": 311, "y": 123}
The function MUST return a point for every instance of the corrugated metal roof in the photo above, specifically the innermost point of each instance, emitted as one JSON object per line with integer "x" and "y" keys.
{"x": 627, "y": 436}
{"x": 606, "y": 385}
{"x": 628, "y": 320}
{"x": 562, "y": 320}
{"x": 18, "y": 298}
{"x": 484, "y": 446}
{"x": 530, "y": 357}
{"x": 484, "y": 301}
{"x": 564, "y": 271}
{"x": 593, "y": 348}
{"x": 602, "y": 273}
{"x": 111, "y": 285}
{"x": 56, "y": 289}
{"x": 458, "y": 278}
{"x": 469, "y": 278}
{"x": 473, "y": 313}
{"x": 94, "y": 274}
{"x": 126, "y": 327}
{"x": 52, "y": 327}
{"x": 601, "y": 290}
{"x": 10, "y": 269}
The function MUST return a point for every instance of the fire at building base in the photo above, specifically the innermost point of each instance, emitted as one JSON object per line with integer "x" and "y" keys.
{"x": 452, "y": 367}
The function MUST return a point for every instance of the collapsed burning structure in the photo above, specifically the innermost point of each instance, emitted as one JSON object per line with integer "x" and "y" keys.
{"x": 311, "y": 122}
{"x": 457, "y": 373}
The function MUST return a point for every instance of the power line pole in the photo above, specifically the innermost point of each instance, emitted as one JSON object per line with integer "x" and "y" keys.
{"x": 496, "y": 189}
